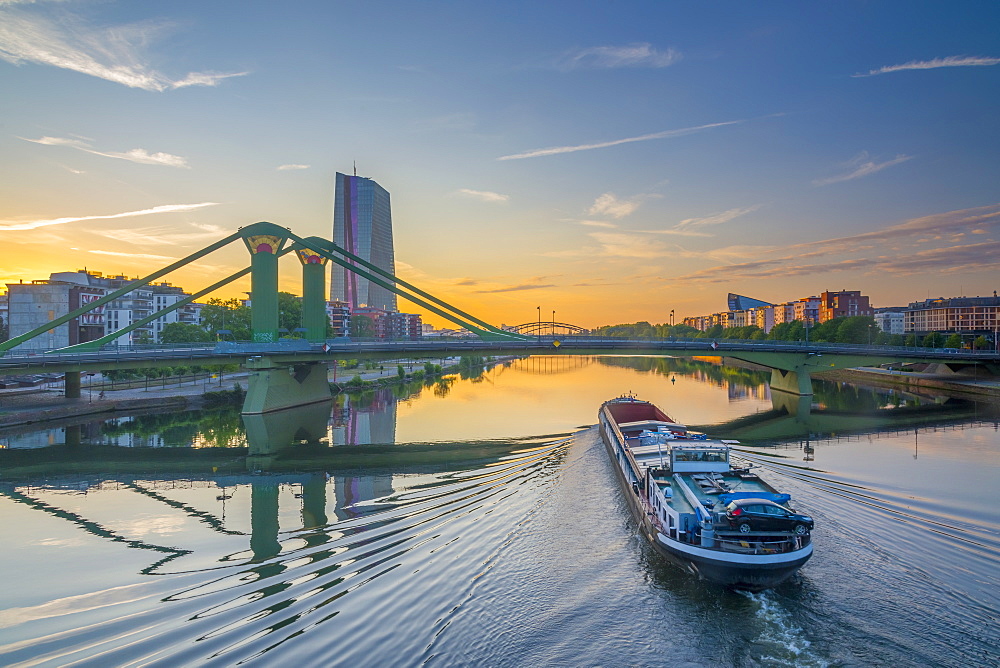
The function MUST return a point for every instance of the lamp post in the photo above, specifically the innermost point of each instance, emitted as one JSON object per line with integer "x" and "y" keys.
{"x": 553, "y": 323}
{"x": 539, "y": 330}
{"x": 671, "y": 317}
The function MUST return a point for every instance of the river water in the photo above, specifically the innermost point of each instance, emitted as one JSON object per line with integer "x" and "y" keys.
{"x": 479, "y": 522}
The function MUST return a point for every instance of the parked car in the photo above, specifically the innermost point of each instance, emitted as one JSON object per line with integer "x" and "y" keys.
{"x": 746, "y": 515}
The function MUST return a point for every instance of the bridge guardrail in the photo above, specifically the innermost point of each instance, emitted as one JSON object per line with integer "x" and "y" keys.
{"x": 340, "y": 347}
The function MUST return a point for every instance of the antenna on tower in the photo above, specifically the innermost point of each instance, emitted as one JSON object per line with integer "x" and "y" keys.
{"x": 355, "y": 167}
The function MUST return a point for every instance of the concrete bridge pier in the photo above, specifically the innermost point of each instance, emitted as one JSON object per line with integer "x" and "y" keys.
{"x": 274, "y": 385}
{"x": 72, "y": 384}
{"x": 794, "y": 382}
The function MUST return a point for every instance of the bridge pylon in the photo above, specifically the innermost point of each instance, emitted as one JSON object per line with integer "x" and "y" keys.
{"x": 314, "y": 318}
{"x": 264, "y": 245}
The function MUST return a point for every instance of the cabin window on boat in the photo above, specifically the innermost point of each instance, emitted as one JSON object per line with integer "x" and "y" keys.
{"x": 699, "y": 456}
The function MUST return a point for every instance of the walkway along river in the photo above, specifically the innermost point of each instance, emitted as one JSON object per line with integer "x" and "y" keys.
{"x": 478, "y": 522}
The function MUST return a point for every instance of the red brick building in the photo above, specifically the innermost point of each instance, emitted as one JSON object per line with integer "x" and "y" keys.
{"x": 843, "y": 304}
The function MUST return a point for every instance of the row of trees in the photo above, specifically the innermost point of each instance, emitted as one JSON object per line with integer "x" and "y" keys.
{"x": 221, "y": 315}
{"x": 851, "y": 329}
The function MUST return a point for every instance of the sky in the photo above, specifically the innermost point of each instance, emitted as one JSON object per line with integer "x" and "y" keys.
{"x": 605, "y": 162}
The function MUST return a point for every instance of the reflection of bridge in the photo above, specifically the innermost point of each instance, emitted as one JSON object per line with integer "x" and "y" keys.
{"x": 547, "y": 365}
{"x": 795, "y": 418}
{"x": 286, "y": 373}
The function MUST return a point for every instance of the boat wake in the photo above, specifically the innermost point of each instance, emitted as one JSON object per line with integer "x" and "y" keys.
{"x": 780, "y": 641}
{"x": 394, "y": 562}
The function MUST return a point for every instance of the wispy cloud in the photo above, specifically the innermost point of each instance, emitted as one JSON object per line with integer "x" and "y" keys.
{"x": 609, "y": 57}
{"x": 868, "y": 251}
{"x": 690, "y": 227}
{"x": 138, "y": 155}
{"x": 624, "y": 244}
{"x": 113, "y": 53}
{"x": 289, "y": 168}
{"x": 137, "y": 256}
{"x": 160, "y": 236}
{"x": 949, "y": 61}
{"x": 11, "y": 226}
{"x": 953, "y": 260}
{"x": 517, "y": 288}
{"x": 483, "y": 195}
{"x": 935, "y": 227}
{"x": 536, "y": 153}
{"x": 862, "y": 165}
{"x": 609, "y": 205}
{"x": 598, "y": 223}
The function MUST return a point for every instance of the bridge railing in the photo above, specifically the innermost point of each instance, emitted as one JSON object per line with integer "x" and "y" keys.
{"x": 769, "y": 345}
{"x": 543, "y": 343}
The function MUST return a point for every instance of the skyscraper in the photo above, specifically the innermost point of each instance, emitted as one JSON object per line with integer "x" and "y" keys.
{"x": 362, "y": 224}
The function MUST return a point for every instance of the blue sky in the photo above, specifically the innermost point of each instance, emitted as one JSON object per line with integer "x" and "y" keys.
{"x": 607, "y": 161}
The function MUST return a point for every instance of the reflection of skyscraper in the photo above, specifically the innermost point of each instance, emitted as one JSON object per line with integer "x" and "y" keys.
{"x": 371, "y": 421}
{"x": 362, "y": 224}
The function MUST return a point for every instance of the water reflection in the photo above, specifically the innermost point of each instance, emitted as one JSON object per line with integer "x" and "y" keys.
{"x": 517, "y": 550}
{"x": 559, "y": 389}
{"x": 365, "y": 418}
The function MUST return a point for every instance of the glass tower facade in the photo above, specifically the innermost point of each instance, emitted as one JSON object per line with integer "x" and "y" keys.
{"x": 362, "y": 224}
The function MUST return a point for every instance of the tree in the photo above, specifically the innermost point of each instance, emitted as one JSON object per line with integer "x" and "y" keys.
{"x": 933, "y": 340}
{"x": 713, "y": 332}
{"x": 787, "y": 331}
{"x": 684, "y": 331}
{"x": 226, "y": 314}
{"x": 362, "y": 327}
{"x": 289, "y": 311}
{"x": 184, "y": 332}
{"x": 826, "y": 331}
{"x": 953, "y": 341}
{"x": 981, "y": 343}
{"x": 857, "y": 329}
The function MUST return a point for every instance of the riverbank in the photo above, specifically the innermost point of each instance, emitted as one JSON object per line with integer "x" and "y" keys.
{"x": 49, "y": 405}
{"x": 916, "y": 381}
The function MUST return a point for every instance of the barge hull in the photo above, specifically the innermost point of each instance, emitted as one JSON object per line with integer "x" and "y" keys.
{"x": 755, "y": 576}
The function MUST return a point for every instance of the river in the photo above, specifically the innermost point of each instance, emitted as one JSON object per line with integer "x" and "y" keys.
{"x": 478, "y": 521}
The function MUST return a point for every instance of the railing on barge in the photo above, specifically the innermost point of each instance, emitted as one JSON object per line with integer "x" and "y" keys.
{"x": 749, "y": 543}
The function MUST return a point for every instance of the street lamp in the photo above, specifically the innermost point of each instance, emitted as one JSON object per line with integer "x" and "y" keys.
{"x": 671, "y": 317}
{"x": 553, "y": 323}
{"x": 539, "y": 330}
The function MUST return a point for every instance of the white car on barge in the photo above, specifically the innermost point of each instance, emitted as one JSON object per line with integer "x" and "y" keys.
{"x": 679, "y": 486}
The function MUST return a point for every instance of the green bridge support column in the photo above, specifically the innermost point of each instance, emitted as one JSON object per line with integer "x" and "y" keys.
{"x": 274, "y": 385}
{"x": 314, "y": 316}
{"x": 794, "y": 382}
{"x": 72, "y": 384}
{"x": 264, "y": 250}
{"x": 264, "y": 520}
{"x": 314, "y": 501}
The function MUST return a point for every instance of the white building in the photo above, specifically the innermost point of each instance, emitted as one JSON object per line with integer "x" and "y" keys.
{"x": 890, "y": 321}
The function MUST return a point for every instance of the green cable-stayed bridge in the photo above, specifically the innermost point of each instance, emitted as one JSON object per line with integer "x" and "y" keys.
{"x": 289, "y": 373}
